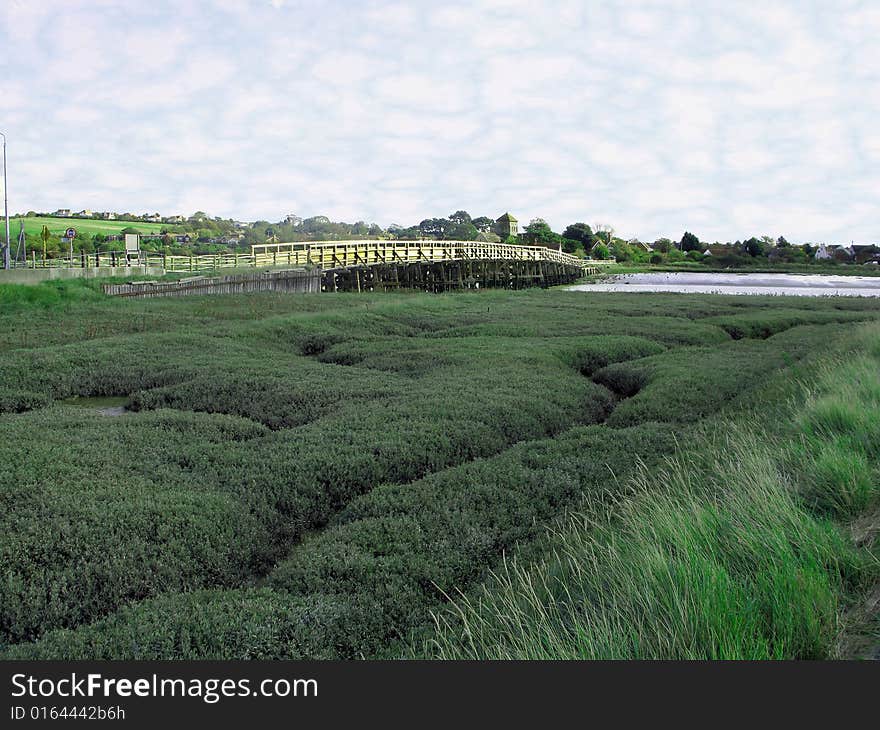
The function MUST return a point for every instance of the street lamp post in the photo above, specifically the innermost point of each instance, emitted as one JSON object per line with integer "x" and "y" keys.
{"x": 6, "y": 264}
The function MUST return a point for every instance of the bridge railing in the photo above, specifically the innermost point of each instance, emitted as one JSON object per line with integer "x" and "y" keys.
{"x": 338, "y": 254}
{"x": 325, "y": 255}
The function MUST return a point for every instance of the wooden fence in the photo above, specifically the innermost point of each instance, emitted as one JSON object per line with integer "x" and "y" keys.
{"x": 297, "y": 280}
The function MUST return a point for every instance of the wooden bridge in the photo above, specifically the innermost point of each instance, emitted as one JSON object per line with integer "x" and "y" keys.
{"x": 428, "y": 265}
{"x": 367, "y": 265}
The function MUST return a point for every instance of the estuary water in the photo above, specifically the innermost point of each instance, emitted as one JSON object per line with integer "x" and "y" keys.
{"x": 103, "y": 405}
{"x": 799, "y": 285}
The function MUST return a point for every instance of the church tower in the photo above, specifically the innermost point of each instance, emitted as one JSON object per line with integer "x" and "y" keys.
{"x": 506, "y": 226}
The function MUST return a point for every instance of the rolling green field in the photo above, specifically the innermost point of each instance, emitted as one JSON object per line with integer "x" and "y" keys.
{"x": 85, "y": 227}
{"x": 492, "y": 474}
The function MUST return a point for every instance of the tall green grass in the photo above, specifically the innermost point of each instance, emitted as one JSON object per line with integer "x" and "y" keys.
{"x": 49, "y": 294}
{"x": 838, "y": 438}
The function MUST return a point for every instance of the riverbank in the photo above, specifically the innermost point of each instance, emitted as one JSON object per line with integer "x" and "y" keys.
{"x": 775, "y": 284}
{"x": 709, "y": 267}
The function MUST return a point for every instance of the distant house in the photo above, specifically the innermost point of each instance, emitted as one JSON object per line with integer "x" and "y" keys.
{"x": 85, "y": 213}
{"x": 182, "y": 238}
{"x": 506, "y": 226}
{"x": 174, "y": 219}
{"x": 108, "y": 216}
{"x": 488, "y": 237}
{"x": 836, "y": 252}
{"x": 62, "y": 213}
{"x": 152, "y": 218}
{"x": 707, "y": 252}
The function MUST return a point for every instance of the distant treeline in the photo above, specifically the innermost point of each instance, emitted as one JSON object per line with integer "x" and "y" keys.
{"x": 202, "y": 233}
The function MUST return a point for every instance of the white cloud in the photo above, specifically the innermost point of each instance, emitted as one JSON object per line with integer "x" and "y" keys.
{"x": 729, "y": 119}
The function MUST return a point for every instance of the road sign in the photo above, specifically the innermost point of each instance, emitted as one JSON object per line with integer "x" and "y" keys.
{"x": 70, "y": 233}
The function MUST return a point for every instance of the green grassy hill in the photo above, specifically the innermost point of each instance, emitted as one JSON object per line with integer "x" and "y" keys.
{"x": 85, "y": 227}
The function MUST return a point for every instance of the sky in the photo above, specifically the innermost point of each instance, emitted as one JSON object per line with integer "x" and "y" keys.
{"x": 728, "y": 119}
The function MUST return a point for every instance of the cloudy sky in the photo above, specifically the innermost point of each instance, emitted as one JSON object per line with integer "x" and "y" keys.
{"x": 730, "y": 119}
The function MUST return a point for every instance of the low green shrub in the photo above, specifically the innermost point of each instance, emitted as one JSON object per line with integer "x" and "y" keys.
{"x": 227, "y": 625}
{"x": 19, "y": 401}
{"x": 685, "y": 384}
{"x": 93, "y": 518}
{"x": 597, "y": 352}
{"x": 765, "y": 323}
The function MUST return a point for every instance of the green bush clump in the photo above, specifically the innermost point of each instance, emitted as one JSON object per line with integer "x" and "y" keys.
{"x": 227, "y": 625}
{"x": 301, "y": 396}
{"x": 19, "y": 401}
{"x": 411, "y": 359}
{"x": 92, "y": 519}
{"x": 622, "y": 379}
{"x": 764, "y": 324}
{"x": 685, "y": 384}
{"x": 669, "y": 330}
{"x": 597, "y": 352}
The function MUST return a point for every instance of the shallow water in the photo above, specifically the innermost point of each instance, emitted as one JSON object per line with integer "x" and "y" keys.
{"x": 800, "y": 285}
{"x": 105, "y": 405}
